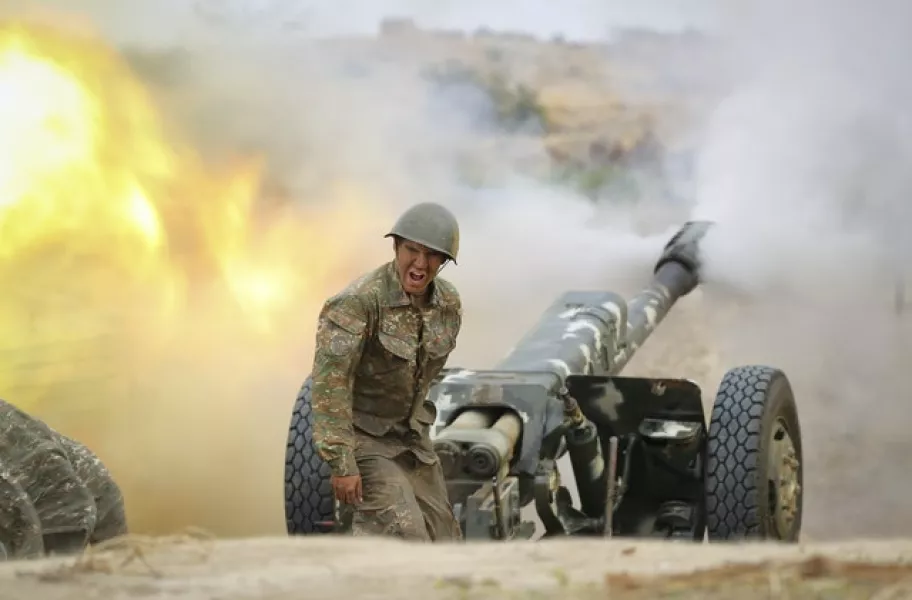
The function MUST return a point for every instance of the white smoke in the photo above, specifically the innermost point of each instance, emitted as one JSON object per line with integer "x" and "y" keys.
{"x": 805, "y": 166}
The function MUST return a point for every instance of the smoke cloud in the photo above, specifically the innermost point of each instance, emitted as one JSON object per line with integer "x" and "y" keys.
{"x": 802, "y": 164}
{"x": 805, "y": 166}
{"x": 195, "y": 428}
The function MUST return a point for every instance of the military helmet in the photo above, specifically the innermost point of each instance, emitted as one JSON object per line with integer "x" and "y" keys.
{"x": 431, "y": 225}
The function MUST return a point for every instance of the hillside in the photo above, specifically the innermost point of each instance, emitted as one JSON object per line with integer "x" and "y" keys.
{"x": 268, "y": 170}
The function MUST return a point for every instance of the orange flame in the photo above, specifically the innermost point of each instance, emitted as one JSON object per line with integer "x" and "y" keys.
{"x": 126, "y": 259}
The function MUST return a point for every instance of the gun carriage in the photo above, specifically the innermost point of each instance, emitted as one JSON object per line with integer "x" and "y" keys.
{"x": 645, "y": 460}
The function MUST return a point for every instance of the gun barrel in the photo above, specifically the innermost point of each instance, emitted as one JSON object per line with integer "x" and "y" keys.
{"x": 587, "y": 331}
{"x": 676, "y": 274}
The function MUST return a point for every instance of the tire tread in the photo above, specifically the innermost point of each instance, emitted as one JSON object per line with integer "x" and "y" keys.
{"x": 308, "y": 487}
{"x": 733, "y": 453}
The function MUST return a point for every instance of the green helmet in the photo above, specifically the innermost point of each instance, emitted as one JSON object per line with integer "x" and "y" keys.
{"x": 430, "y": 225}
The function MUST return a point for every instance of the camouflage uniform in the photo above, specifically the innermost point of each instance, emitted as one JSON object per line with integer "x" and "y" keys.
{"x": 376, "y": 356}
{"x": 55, "y": 494}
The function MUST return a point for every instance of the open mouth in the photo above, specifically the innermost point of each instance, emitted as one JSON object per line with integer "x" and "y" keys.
{"x": 415, "y": 278}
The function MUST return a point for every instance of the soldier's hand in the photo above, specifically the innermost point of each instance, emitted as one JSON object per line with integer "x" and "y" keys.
{"x": 347, "y": 489}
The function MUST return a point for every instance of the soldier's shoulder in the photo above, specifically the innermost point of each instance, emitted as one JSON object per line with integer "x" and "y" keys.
{"x": 367, "y": 285}
{"x": 356, "y": 298}
{"x": 449, "y": 295}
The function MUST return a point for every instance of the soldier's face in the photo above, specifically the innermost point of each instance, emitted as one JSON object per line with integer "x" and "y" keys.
{"x": 417, "y": 265}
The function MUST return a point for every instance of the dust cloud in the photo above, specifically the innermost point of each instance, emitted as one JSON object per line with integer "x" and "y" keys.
{"x": 193, "y": 422}
{"x": 805, "y": 167}
{"x": 801, "y": 165}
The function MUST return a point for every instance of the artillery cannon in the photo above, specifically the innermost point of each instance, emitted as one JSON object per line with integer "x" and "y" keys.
{"x": 644, "y": 460}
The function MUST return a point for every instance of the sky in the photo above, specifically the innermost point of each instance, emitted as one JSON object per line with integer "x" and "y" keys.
{"x": 165, "y": 22}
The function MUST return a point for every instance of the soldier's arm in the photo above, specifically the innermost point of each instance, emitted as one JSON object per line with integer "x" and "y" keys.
{"x": 341, "y": 335}
{"x": 457, "y": 305}
{"x": 454, "y": 303}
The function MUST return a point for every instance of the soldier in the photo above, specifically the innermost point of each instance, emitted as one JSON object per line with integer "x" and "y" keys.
{"x": 56, "y": 496}
{"x": 379, "y": 344}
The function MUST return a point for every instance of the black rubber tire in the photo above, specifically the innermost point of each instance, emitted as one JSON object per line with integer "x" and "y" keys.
{"x": 309, "y": 497}
{"x": 748, "y": 404}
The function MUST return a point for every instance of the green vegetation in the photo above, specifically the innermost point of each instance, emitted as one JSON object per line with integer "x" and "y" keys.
{"x": 514, "y": 106}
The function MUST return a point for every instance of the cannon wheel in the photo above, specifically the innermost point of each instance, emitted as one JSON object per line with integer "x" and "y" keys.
{"x": 754, "y": 467}
{"x": 309, "y": 501}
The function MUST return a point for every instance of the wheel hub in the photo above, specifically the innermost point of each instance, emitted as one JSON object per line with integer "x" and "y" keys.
{"x": 785, "y": 488}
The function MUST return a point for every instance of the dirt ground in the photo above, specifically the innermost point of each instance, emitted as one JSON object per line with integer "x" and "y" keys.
{"x": 276, "y": 569}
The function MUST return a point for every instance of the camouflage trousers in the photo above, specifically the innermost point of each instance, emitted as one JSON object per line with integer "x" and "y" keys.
{"x": 404, "y": 497}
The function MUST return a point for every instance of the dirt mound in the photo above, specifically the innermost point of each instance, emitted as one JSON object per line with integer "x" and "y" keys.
{"x": 274, "y": 569}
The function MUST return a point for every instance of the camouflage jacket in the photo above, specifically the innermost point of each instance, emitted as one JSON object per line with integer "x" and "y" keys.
{"x": 54, "y": 492}
{"x": 375, "y": 358}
